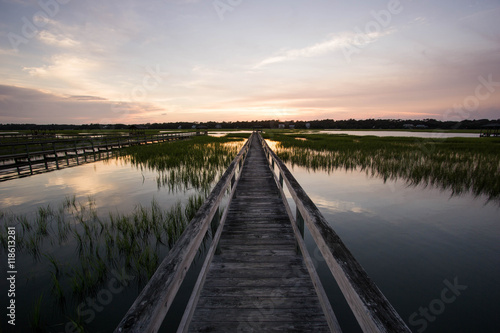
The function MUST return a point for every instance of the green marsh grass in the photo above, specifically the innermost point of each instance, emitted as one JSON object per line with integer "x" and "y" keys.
{"x": 461, "y": 165}
{"x": 195, "y": 163}
{"x": 81, "y": 248}
{"x": 36, "y": 318}
{"x": 137, "y": 241}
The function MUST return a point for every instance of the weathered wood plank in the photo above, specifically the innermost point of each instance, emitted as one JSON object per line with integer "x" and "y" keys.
{"x": 303, "y": 315}
{"x": 256, "y": 274}
{"x": 256, "y": 228}
{"x": 258, "y": 265}
{"x": 277, "y": 290}
{"x": 263, "y": 256}
{"x": 257, "y": 302}
{"x": 373, "y": 311}
{"x": 326, "y": 307}
{"x": 271, "y": 242}
{"x": 257, "y": 326}
{"x": 244, "y": 252}
{"x": 244, "y": 282}
{"x": 149, "y": 309}
{"x": 252, "y": 235}
{"x": 238, "y": 266}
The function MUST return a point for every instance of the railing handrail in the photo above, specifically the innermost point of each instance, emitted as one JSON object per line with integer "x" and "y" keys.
{"x": 147, "y": 312}
{"x": 371, "y": 308}
{"x": 80, "y": 143}
{"x": 86, "y": 138}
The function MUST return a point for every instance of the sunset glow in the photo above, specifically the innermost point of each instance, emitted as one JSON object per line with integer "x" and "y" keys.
{"x": 68, "y": 61}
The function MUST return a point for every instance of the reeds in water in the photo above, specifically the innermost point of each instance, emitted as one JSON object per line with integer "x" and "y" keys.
{"x": 191, "y": 164}
{"x": 137, "y": 241}
{"x": 134, "y": 242}
{"x": 461, "y": 165}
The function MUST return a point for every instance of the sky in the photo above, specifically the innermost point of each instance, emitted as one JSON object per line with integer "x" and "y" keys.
{"x": 154, "y": 61}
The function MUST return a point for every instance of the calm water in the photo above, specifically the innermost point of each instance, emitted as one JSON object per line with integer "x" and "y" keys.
{"x": 412, "y": 241}
{"x": 114, "y": 184}
{"x": 223, "y": 133}
{"x": 432, "y": 135}
{"x": 117, "y": 187}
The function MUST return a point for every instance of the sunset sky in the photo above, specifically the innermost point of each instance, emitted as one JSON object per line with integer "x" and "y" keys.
{"x": 131, "y": 61}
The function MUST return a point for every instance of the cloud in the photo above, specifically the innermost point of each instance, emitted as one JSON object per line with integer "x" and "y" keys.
{"x": 87, "y": 98}
{"x": 337, "y": 206}
{"x": 72, "y": 74}
{"x": 65, "y": 66}
{"x": 57, "y": 40}
{"x": 334, "y": 43}
{"x": 7, "y": 52}
{"x": 19, "y": 2}
{"x": 24, "y": 105}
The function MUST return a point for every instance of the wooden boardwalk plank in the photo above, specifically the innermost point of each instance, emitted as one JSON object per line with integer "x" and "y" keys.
{"x": 258, "y": 282}
{"x": 260, "y": 327}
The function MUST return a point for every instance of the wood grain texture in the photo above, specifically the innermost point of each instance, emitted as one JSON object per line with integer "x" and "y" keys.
{"x": 258, "y": 282}
{"x": 149, "y": 309}
{"x": 371, "y": 308}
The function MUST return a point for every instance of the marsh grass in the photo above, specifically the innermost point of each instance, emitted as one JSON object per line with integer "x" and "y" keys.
{"x": 137, "y": 241}
{"x": 461, "y": 165}
{"x": 36, "y": 317}
{"x": 81, "y": 248}
{"x": 190, "y": 164}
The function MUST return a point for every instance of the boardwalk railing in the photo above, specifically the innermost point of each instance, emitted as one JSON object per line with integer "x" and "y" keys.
{"x": 31, "y": 156}
{"x": 153, "y": 303}
{"x": 372, "y": 310}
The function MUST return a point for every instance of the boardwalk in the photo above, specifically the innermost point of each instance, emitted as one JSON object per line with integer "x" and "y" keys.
{"x": 22, "y": 155}
{"x": 258, "y": 282}
{"x": 254, "y": 279}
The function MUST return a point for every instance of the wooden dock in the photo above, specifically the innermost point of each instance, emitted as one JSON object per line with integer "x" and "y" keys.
{"x": 258, "y": 282}
{"x": 28, "y": 155}
{"x": 258, "y": 275}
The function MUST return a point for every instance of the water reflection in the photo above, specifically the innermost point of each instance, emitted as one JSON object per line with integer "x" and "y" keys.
{"x": 219, "y": 134}
{"x": 409, "y": 240}
{"x": 77, "y": 253}
{"x": 182, "y": 167}
{"x": 122, "y": 214}
{"x": 407, "y": 134}
{"x": 50, "y": 166}
{"x": 460, "y": 172}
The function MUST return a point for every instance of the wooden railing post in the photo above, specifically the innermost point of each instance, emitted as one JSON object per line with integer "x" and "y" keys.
{"x": 76, "y": 154}
{"x": 215, "y": 221}
{"x": 44, "y": 156}
{"x": 215, "y": 225}
{"x": 29, "y": 158}
{"x": 154, "y": 301}
{"x": 233, "y": 180}
{"x": 371, "y": 308}
{"x": 300, "y": 221}
{"x": 93, "y": 148}
{"x": 55, "y": 155}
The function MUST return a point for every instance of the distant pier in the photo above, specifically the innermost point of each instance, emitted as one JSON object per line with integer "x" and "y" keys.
{"x": 27, "y": 155}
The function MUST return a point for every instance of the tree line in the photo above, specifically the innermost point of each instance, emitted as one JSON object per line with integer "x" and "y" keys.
{"x": 313, "y": 124}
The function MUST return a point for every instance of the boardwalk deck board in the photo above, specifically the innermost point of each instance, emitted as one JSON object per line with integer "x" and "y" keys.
{"x": 258, "y": 282}
{"x": 253, "y": 279}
